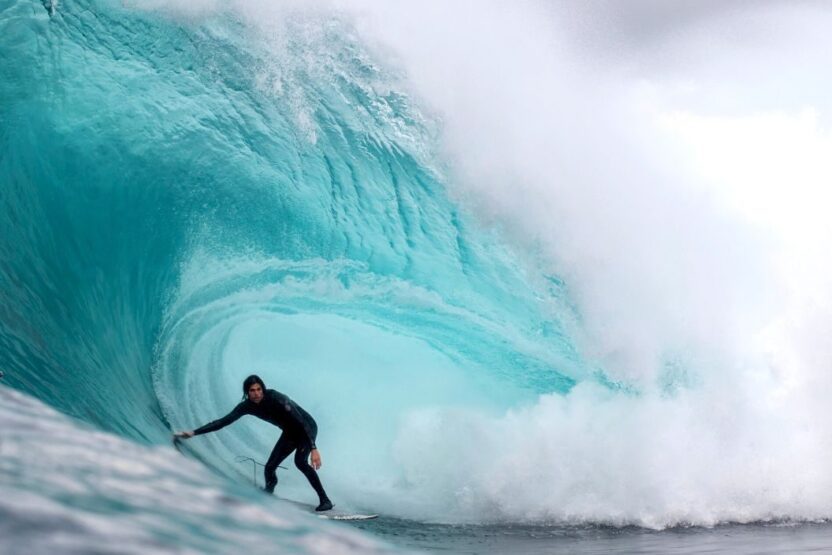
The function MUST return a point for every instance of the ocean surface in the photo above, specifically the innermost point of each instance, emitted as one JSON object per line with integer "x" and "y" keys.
{"x": 191, "y": 192}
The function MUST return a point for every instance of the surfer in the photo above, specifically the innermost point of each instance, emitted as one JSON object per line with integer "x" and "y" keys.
{"x": 299, "y": 433}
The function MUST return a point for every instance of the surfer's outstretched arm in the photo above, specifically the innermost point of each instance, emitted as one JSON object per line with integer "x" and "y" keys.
{"x": 218, "y": 424}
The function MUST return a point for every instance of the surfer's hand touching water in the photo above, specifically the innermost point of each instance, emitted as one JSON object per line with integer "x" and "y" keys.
{"x": 183, "y": 435}
{"x": 316, "y": 459}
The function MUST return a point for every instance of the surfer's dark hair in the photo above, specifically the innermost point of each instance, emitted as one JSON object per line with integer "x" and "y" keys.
{"x": 250, "y": 381}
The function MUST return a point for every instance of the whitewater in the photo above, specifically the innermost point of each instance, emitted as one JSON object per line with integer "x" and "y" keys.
{"x": 549, "y": 274}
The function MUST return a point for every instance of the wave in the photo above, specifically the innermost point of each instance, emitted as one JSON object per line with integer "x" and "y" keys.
{"x": 195, "y": 192}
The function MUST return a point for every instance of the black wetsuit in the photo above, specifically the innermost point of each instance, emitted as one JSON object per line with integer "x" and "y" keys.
{"x": 299, "y": 433}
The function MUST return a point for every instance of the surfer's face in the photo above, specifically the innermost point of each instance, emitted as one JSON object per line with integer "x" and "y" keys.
{"x": 255, "y": 393}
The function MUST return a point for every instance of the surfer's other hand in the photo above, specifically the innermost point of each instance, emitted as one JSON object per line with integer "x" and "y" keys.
{"x": 316, "y": 459}
{"x": 183, "y": 435}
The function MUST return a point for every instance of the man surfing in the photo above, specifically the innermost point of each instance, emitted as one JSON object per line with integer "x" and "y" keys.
{"x": 299, "y": 433}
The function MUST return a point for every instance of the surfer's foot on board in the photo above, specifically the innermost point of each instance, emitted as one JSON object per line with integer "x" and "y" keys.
{"x": 325, "y": 505}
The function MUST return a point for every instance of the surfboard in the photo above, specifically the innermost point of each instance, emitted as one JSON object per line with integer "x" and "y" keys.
{"x": 334, "y": 513}
{"x": 329, "y": 515}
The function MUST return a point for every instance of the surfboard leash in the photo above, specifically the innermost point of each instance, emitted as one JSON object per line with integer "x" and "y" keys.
{"x": 254, "y": 465}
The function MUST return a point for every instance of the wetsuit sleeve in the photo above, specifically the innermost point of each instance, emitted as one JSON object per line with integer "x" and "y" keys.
{"x": 220, "y": 423}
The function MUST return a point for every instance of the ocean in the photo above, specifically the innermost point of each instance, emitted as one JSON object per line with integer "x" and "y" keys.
{"x": 524, "y": 316}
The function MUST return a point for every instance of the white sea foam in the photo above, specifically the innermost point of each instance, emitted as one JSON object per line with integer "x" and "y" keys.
{"x": 675, "y": 168}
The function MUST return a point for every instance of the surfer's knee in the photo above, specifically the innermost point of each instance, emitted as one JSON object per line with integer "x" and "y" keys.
{"x": 270, "y": 470}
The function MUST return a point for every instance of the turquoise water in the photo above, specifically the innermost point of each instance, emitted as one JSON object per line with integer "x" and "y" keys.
{"x": 183, "y": 207}
{"x": 187, "y": 199}
{"x": 158, "y": 192}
